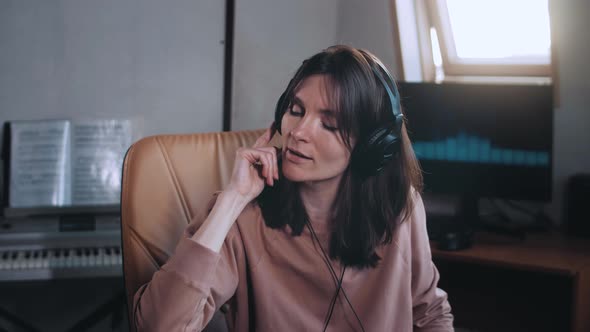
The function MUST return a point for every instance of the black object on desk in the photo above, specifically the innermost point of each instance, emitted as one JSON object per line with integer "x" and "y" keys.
{"x": 455, "y": 240}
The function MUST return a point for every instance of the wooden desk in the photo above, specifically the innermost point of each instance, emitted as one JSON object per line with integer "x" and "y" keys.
{"x": 546, "y": 253}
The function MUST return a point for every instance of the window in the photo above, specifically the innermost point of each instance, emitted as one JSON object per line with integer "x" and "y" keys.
{"x": 480, "y": 38}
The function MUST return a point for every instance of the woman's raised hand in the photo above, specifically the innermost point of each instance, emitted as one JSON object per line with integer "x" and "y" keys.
{"x": 255, "y": 166}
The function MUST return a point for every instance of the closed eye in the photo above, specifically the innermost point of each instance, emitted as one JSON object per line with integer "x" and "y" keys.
{"x": 328, "y": 127}
{"x": 329, "y": 119}
{"x": 295, "y": 110}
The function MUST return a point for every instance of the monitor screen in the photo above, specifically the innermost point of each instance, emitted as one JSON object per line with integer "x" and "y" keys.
{"x": 482, "y": 140}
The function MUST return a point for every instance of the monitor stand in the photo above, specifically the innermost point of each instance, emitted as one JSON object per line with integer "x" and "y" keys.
{"x": 456, "y": 232}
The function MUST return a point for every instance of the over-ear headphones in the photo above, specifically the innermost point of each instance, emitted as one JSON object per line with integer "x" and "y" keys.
{"x": 383, "y": 144}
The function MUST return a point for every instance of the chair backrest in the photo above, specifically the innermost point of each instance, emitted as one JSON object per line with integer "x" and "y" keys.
{"x": 168, "y": 179}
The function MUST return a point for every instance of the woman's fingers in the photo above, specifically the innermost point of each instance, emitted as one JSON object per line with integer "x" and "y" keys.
{"x": 274, "y": 162}
{"x": 265, "y": 160}
{"x": 269, "y": 164}
{"x": 262, "y": 140}
{"x": 265, "y": 138}
{"x": 269, "y": 168}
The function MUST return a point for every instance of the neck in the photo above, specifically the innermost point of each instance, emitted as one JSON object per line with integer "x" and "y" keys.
{"x": 318, "y": 199}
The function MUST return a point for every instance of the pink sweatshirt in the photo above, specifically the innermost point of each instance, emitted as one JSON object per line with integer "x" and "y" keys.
{"x": 276, "y": 282}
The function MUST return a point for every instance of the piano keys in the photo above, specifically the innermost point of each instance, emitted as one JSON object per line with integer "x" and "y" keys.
{"x": 52, "y": 263}
{"x": 42, "y": 252}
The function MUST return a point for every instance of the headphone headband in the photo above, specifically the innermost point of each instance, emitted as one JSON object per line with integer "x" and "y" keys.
{"x": 393, "y": 97}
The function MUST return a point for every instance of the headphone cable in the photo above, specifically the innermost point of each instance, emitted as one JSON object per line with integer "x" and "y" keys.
{"x": 333, "y": 302}
{"x": 334, "y": 277}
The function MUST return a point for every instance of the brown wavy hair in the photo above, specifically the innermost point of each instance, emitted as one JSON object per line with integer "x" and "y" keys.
{"x": 367, "y": 210}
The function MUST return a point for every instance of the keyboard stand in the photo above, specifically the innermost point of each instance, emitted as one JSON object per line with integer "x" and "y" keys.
{"x": 16, "y": 321}
{"x": 112, "y": 306}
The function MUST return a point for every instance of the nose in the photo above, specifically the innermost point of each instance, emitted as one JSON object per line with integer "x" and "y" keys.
{"x": 302, "y": 131}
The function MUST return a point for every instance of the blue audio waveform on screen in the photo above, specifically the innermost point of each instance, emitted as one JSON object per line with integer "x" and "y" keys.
{"x": 467, "y": 148}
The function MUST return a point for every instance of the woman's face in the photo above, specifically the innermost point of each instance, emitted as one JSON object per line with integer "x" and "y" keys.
{"x": 313, "y": 149}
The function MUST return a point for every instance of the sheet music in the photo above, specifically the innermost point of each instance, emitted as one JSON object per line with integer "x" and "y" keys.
{"x": 39, "y": 164}
{"x": 98, "y": 149}
{"x": 65, "y": 163}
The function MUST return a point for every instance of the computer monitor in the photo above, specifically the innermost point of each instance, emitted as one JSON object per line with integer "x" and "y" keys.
{"x": 482, "y": 140}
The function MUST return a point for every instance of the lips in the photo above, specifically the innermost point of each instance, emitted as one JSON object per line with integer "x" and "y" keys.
{"x": 298, "y": 153}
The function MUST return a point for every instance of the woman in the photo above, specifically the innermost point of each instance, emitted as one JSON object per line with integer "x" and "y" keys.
{"x": 326, "y": 233}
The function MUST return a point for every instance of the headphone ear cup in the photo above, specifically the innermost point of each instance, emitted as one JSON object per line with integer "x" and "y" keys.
{"x": 372, "y": 155}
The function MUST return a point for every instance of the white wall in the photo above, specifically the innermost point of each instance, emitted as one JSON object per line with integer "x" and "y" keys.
{"x": 158, "y": 62}
{"x": 271, "y": 39}
{"x": 368, "y": 24}
{"x": 570, "y": 22}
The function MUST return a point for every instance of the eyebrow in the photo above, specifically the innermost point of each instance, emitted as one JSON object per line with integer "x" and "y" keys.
{"x": 328, "y": 112}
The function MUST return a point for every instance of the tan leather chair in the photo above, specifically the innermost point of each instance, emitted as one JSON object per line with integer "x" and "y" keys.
{"x": 168, "y": 179}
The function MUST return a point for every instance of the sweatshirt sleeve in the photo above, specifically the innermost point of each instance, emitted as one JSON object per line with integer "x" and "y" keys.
{"x": 187, "y": 290}
{"x": 431, "y": 309}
